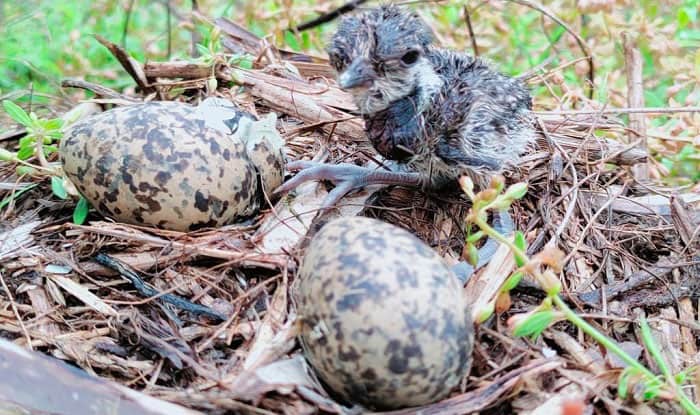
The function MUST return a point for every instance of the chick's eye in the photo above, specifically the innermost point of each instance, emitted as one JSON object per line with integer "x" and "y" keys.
{"x": 336, "y": 61}
{"x": 409, "y": 58}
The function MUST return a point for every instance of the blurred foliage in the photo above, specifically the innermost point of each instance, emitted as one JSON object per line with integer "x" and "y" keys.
{"x": 47, "y": 40}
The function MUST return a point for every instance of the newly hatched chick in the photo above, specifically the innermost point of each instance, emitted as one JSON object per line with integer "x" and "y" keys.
{"x": 440, "y": 114}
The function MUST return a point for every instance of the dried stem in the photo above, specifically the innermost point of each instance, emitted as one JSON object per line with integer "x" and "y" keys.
{"x": 472, "y": 37}
{"x": 579, "y": 40}
{"x": 635, "y": 99}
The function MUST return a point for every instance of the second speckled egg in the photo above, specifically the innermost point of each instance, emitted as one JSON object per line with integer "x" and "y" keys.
{"x": 384, "y": 321}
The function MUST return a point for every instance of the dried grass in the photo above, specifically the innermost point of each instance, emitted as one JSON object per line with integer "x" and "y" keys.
{"x": 631, "y": 251}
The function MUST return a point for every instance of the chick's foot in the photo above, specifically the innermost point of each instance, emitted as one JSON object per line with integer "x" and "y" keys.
{"x": 346, "y": 177}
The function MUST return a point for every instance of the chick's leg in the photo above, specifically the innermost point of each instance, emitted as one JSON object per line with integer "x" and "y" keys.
{"x": 346, "y": 178}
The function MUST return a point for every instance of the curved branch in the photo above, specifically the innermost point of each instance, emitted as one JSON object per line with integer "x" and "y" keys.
{"x": 579, "y": 40}
{"x": 327, "y": 17}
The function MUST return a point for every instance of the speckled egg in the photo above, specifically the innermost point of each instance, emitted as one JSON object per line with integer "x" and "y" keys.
{"x": 162, "y": 164}
{"x": 384, "y": 321}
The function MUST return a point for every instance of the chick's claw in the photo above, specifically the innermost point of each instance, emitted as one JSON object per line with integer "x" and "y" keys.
{"x": 346, "y": 177}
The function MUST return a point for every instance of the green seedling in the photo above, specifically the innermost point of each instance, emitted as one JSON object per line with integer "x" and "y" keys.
{"x": 544, "y": 267}
{"x": 39, "y": 143}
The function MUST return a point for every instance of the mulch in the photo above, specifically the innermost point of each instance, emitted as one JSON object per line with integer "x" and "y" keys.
{"x": 631, "y": 251}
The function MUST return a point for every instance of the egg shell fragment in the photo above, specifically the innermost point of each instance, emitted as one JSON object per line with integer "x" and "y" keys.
{"x": 157, "y": 164}
{"x": 384, "y": 321}
{"x": 265, "y": 148}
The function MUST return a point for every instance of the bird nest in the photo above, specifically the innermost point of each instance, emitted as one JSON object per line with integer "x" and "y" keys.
{"x": 151, "y": 321}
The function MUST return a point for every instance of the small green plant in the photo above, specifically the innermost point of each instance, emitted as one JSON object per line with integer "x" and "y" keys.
{"x": 544, "y": 267}
{"x": 685, "y": 164}
{"x": 211, "y": 54}
{"x": 39, "y": 143}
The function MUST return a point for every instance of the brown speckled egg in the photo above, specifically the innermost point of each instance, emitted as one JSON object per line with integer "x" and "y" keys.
{"x": 159, "y": 164}
{"x": 384, "y": 321}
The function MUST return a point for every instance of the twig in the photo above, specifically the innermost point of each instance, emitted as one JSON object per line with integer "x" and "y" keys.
{"x": 478, "y": 399}
{"x": 635, "y": 99}
{"x": 179, "y": 302}
{"x": 196, "y": 37}
{"x": 581, "y": 43}
{"x": 590, "y": 224}
{"x": 169, "y": 24}
{"x": 635, "y": 85}
{"x": 14, "y": 309}
{"x": 574, "y": 193}
{"x": 125, "y": 30}
{"x": 164, "y": 348}
{"x": 96, "y": 89}
{"x": 642, "y": 110}
{"x": 472, "y": 37}
{"x": 534, "y": 72}
{"x": 327, "y": 17}
{"x": 130, "y": 65}
{"x": 631, "y": 282}
{"x": 188, "y": 248}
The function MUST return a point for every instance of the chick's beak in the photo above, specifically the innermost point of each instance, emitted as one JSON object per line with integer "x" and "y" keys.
{"x": 358, "y": 74}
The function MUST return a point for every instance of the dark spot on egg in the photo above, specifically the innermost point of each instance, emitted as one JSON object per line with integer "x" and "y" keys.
{"x": 201, "y": 202}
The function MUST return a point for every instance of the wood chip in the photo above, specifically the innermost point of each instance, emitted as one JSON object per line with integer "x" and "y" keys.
{"x": 84, "y": 295}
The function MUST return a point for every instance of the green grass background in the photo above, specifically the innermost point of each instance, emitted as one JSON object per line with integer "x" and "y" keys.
{"x": 44, "y": 41}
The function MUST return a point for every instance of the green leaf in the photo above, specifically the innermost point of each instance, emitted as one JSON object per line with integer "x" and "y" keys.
{"x": 6, "y": 155}
{"x": 25, "y": 153}
{"x": 687, "y": 152}
{"x": 485, "y": 313}
{"x": 306, "y": 40}
{"x": 52, "y": 124}
{"x": 685, "y": 17}
{"x": 246, "y": 63}
{"x": 452, "y": 14}
{"x": 56, "y": 135}
{"x": 25, "y": 170}
{"x": 681, "y": 377}
{"x": 50, "y": 149}
{"x": 17, "y": 113}
{"x": 668, "y": 163}
{"x": 27, "y": 146}
{"x": 651, "y": 392}
{"x": 535, "y": 324}
{"x": 516, "y": 191}
{"x": 653, "y": 347}
{"x": 472, "y": 254}
{"x": 557, "y": 34}
{"x": 81, "y": 211}
{"x": 291, "y": 40}
{"x": 203, "y": 50}
{"x": 513, "y": 281}
{"x": 57, "y": 188}
{"x": 521, "y": 243}
{"x": 623, "y": 383}
{"x": 474, "y": 237}
{"x": 27, "y": 141}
